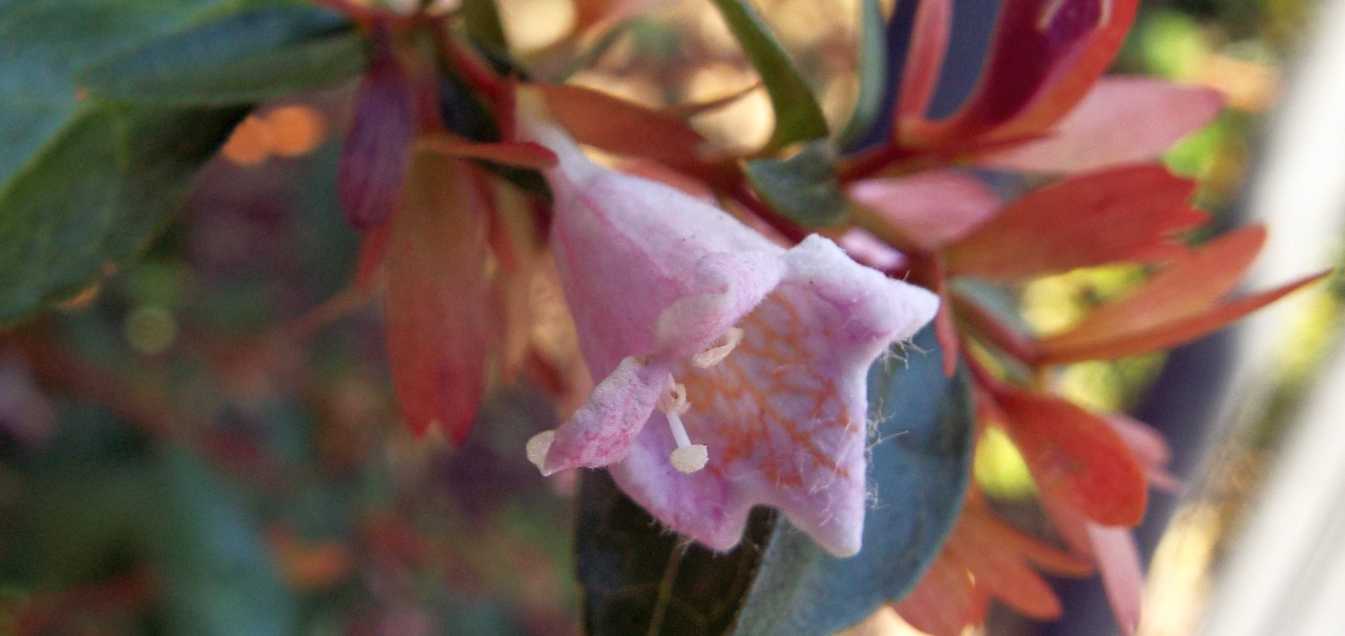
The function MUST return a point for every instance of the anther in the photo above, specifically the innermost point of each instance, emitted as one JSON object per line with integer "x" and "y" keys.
{"x": 716, "y": 354}
{"x": 538, "y": 445}
{"x": 687, "y": 457}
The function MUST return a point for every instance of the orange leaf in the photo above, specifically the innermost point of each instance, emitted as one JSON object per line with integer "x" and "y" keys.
{"x": 945, "y": 600}
{"x": 1075, "y": 456}
{"x": 625, "y": 128}
{"x": 1187, "y": 286}
{"x": 1151, "y": 337}
{"x": 519, "y": 154}
{"x": 929, "y": 43}
{"x": 437, "y": 300}
{"x": 1128, "y": 213}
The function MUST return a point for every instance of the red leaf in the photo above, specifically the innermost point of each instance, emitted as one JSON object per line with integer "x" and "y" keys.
{"x": 1175, "y": 331}
{"x": 1129, "y": 213}
{"x": 519, "y": 154}
{"x": 1074, "y": 81}
{"x": 945, "y": 600}
{"x": 437, "y": 301}
{"x": 929, "y": 44}
{"x": 1122, "y": 120}
{"x": 1036, "y": 42}
{"x": 377, "y": 148}
{"x": 369, "y": 263}
{"x": 626, "y": 128}
{"x": 1075, "y": 457}
{"x": 931, "y": 208}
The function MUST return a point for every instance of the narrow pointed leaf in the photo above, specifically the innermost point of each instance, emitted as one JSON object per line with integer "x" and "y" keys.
{"x": 1077, "y": 78}
{"x": 1122, "y": 576}
{"x": 1168, "y": 334}
{"x": 625, "y": 128}
{"x": 798, "y": 117}
{"x": 1122, "y": 120}
{"x": 872, "y": 73}
{"x": 1075, "y": 457}
{"x": 1185, "y": 288}
{"x": 237, "y": 59}
{"x": 929, "y": 44}
{"x": 518, "y": 155}
{"x": 378, "y": 145}
{"x": 1123, "y": 214}
{"x": 437, "y": 301}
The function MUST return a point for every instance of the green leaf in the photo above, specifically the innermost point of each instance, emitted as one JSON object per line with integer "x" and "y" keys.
{"x": 872, "y": 73}
{"x": 239, "y": 58}
{"x": 797, "y": 114}
{"x": 218, "y": 576}
{"x": 919, "y": 469}
{"x": 803, "y": 188}
{"x": 640, "y": 579}
{"x": 85, "y": 183}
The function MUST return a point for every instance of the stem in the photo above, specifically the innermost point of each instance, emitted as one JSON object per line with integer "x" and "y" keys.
{"x": 996, "y": 332}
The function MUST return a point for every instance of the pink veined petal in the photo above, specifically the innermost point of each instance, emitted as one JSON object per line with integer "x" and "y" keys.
{"x": 1119, "y": 562}
{"x": 1122, "y": 120}
{"x": 601, "y": 431}
{"x": 654, "y": 278}
{"x": 932, "y": 208}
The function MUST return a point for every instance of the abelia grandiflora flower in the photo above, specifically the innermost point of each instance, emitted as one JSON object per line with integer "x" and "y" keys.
{"x": 733, "y": 370}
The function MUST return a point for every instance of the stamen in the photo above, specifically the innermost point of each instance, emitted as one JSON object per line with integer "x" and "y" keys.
{"x": 538, "y": 445}
{"x": 716, "y": 354}
{"x": 687, "y": 457}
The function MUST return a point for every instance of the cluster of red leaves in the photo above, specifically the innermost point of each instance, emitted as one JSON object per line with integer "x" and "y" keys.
{"x": 453, "y": 280}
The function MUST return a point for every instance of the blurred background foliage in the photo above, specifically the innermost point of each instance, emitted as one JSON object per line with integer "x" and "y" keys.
{"x": 207, "y": 442}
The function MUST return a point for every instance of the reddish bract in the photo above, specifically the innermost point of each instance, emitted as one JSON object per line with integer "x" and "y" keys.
{"x": 437, "y": 301}
{"x": 377, "y": 148}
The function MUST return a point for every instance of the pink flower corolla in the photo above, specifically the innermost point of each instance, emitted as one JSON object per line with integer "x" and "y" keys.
{"x": 733, "y": 370}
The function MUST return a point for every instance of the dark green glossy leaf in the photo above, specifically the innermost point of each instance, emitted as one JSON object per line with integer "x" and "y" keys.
{"x": 803, "y": 188}
{"x": 918, "y": 473}
{"x": 797, "y": 114}
{"x": 238, "y": 58}
{"x": 85, "y": 183}
{"x": 640, "y": 579}
{"x": 872, "y": 73}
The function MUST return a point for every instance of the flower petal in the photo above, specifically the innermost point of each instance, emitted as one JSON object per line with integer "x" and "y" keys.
{"x": 1122, "y": 120}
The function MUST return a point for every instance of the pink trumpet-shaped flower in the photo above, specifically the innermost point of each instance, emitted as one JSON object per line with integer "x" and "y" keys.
{"x": 733, "y": 370}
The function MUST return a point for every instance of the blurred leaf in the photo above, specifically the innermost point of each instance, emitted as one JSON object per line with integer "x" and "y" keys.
{"x": 377, "y": 147}
{"x": 236, "y": 59}
{"x": 641, "y": 579}
{"x": 218, "y": 576}
{"x": 920, "y": 465}
{"x": 1076, "y": 458}
{"x": 802, "y": 188}
{"x": 872, "y": 74}
{"x": 438, "y": 308}
{"x": 84, "y": 184}
{"x": 797, "y": 115}
{"x": 482, "y": 18}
